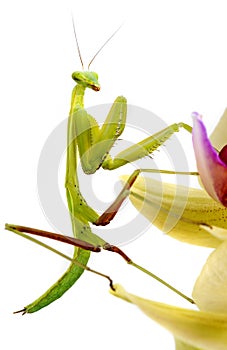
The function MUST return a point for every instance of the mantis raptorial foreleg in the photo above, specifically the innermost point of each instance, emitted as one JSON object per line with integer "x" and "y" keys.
{"x": 94, "y": 143}
{"x": 143, "y": 148}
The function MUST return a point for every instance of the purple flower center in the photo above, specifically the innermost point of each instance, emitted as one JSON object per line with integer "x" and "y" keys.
{"x": 223, "y": 154}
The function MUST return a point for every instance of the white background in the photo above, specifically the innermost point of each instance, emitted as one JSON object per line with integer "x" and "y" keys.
{"x": 170, "y": 58}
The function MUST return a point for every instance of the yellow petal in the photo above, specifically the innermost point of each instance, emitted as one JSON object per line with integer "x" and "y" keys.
{"x": 183, "y": 346}
{"x": 218, "y": 137}
{"x": 217, "y": 232}
{"x": 210, "y": 290}
{"x": 178, "y": 210}
{"x": 201, "y": 330}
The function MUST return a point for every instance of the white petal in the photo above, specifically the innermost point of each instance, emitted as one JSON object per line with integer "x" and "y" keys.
{"x": 210, "y": 290}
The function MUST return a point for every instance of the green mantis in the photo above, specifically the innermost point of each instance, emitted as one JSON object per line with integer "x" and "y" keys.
{"x": 93, "y": 144}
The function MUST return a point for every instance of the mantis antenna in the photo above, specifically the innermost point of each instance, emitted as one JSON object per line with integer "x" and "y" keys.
{"x": 77, "y": 44}
{"x": 104, "y": 45}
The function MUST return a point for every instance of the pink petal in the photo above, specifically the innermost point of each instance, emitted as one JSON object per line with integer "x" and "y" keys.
{"x": 212, "y": 167}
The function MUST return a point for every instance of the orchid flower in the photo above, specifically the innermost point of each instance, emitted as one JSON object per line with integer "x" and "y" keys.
{"x": 212, "y": 166}
{"x": 192, "y": 216}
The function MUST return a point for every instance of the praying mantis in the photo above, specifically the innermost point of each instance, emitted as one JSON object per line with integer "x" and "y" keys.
{"x": 93, "y": 144}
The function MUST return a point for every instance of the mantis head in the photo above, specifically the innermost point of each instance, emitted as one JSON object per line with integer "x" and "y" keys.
{"x": 87, "y": 79}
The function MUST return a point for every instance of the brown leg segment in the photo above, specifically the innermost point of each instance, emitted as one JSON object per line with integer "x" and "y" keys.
{"x": 110, "y": 212}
